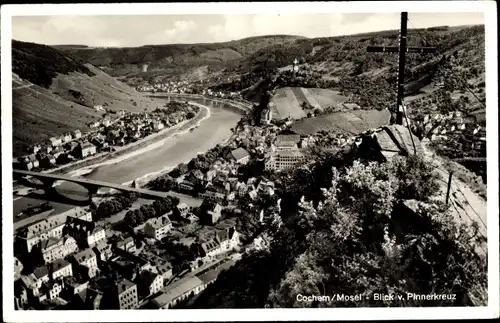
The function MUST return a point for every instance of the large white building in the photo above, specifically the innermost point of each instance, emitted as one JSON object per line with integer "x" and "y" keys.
{"x": 51, "y": 227}
{"x": 53, "y": 249}
{"x": 283, "y": 160}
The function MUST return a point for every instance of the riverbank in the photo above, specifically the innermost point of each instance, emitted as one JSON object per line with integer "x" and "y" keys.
{"x": 163, "y": 157}
{"x": 147, "y": 144}
{"x": 84, "y": 166}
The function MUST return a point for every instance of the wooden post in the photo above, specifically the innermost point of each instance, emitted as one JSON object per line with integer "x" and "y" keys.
{"x": 449, "y": 188}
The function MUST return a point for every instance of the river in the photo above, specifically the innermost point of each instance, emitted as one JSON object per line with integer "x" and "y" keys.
{"x": 163, "y": 155}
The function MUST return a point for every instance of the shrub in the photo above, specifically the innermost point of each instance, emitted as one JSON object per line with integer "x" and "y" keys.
{"x": 417, "y": 179}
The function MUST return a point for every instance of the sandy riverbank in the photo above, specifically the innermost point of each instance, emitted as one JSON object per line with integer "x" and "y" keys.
{"x": 146, "y": 144}
{"x": 143, "y": 145}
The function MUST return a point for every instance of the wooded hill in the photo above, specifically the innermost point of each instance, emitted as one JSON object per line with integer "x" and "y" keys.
{"x": 54, "y": 93}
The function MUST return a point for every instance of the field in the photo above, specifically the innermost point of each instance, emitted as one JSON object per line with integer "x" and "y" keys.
{"x": 288, "y": 101}
{"x": 350, "y": 123}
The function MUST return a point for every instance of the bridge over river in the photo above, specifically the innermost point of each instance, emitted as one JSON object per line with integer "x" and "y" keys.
{"x": 48, "y": 180}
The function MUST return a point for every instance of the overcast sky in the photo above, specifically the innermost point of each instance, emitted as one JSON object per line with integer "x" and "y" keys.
{"x": 130, "y": 31}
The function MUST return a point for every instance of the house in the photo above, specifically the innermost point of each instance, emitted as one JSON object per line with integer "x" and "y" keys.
{"x": 39, "y": 276}
{"x": 58, "y": 151}
{"x": 85, "y": 149}
{"x": 164, "y": 270}
{"x": 210, "y": 248}
{"x": 186, "y": 185}
{"x": 67, "y": 137}
{"x": 128, "y": 264}
{"x": 215, "y": 193}
{"x": 41, "y": 230}
{"x": 60, "y": 268}
{"x": 94, "y": 125}
{"x": 103, "y": 251}
{"x": 212, "y": 214}
{"x": 31, "y": 162}
{"x": 86, "y": 233}
{"x": 226, "y": 235}
{"x": 127, "y": 244}
{"x": 98, "y": 108}
{"x": 46, "y": 149}
{"x": 240, "y": 156}
{"x": 77, "y": 134}
{"x": 158, "y": 228}
{"x": 51, "y": 249}
{"x": 182, "y": 210}
{"x": 74, "y": 286}
{"x": 126, "y": 293}
{"x": 47, "y": 160}
{"x": 18, "y": 268}
{"x": 99, "y": 143}
{"x": 86, "y": 299}
{"x": 266, "y": 187}
{"x": 158, "y": 125}
{"x": 195, "y": 176}
{"x": 266, "y": 116}
{"x": 71, "y": 146}
{"x": 20, "y": 295}
{"x": 55, "y": 141}
{"x": 34, "y": 148}
{"x": 178, "y": 291}
{"x": 149, "y": 283}
{"x": 106, "y": 122}
{"x": 52, "y": 288}
{"x": 87, "y": 260}
{"x": 210, "y": 175}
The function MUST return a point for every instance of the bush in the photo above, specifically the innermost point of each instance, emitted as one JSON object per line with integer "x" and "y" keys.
{"x": 417, "y": 179}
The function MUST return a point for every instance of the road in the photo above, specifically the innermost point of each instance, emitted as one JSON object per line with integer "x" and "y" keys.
{"x": 157, "y": 157}
{"x": 22, "y": 86}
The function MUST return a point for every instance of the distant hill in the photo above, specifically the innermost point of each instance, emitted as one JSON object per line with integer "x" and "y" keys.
{"x": 173, "y": 59}
{"x": 53, "y": 92}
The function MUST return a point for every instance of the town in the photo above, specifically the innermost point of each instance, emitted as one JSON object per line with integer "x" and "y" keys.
{"x": 161, "y": 254}
{"x": 105, "y": 136}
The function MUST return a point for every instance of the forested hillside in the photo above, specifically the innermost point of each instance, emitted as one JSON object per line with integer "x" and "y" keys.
{"x": 360, "y": 228}
{"x": 53, "y": 93}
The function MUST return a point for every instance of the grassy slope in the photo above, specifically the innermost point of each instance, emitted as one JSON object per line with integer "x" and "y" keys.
{"x": 41, "y": 110}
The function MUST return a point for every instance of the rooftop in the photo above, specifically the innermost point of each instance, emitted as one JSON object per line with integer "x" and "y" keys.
{"x": 84, "y": 255}
{"x": 147, "y": 277}
{"x": 40, "y": 272}
{"x": 239, "y": 153}
{"x": 124, "y": 285}
{"x": 210, "y": 276}
{"x": 59, "y": 264}
{"x": 177, "y": 289}
{"x": 287, "y": 140}
{"x": 159, "y": 222}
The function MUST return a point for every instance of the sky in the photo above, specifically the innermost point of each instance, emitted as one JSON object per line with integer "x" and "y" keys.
{"x": 132, "y": 31}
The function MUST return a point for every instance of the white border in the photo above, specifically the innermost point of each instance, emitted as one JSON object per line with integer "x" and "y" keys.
{"x": 489, "y": 9}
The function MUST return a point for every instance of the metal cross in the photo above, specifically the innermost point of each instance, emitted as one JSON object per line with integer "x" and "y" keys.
{"x": 402, "y": 49}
